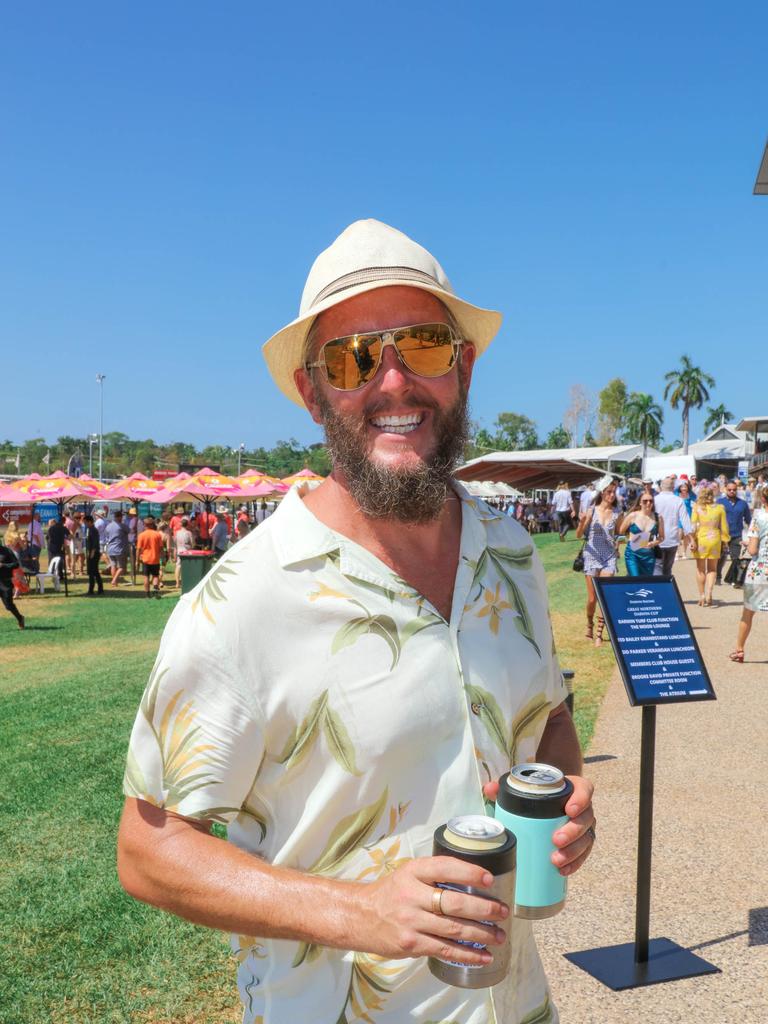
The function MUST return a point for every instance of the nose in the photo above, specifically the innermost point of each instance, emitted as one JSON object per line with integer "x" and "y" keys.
{"x": 392, "y": 375}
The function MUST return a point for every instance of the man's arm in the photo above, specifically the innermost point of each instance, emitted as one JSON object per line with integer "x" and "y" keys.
{"x": 175, "y": 864}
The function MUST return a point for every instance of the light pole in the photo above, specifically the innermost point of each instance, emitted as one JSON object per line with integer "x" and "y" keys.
{"x": 100, "y": 378}
{"x": 92, "y": 439}
{"x": 240, "y": 451}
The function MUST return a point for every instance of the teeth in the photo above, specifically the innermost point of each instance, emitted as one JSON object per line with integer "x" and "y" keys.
{"x": 397, "y": 424}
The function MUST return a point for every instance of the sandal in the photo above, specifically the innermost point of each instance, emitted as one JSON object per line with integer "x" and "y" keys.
{"x": 600, "y": 628}
{"x": 590, "y": 635}
{"x": 737, "y": 656}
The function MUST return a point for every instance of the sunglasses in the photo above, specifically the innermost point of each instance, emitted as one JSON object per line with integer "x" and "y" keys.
{"x": 428, "y": 350}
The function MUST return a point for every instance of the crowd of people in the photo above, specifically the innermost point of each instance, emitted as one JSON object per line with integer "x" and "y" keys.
{"x": 85, "y": 543}
{"x": 713, "y": 522}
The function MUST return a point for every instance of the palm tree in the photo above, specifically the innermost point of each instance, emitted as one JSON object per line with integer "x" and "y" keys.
{"x": 716, "y": 416}
{"x": 643, "y": 418}
{"x": 688, "y": 387}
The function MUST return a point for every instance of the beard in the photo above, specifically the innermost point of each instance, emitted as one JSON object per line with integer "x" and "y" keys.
{"x": 414, "y": 494}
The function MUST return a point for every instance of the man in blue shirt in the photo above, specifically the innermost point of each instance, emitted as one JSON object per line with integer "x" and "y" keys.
{"x": 738, "y": 515}
{"x": 116, "y": 540}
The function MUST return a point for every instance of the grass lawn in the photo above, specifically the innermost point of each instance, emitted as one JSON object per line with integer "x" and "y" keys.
{"x": 74, "y": 948}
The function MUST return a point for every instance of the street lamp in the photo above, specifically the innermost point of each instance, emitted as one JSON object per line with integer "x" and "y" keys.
{"x": 240, "y": 451}
{"x": 100, "y": 378}
{"x": 92, "y": 439}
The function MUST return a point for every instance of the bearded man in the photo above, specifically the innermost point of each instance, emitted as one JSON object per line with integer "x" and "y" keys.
{"x": 355, "y": 672}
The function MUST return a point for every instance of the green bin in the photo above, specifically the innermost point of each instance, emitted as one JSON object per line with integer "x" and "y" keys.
{"x": 194, "y": 565}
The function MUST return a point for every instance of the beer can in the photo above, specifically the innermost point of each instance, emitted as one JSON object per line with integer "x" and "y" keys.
{"x": 484, "y": 841}
{"x": 531, "y": 804}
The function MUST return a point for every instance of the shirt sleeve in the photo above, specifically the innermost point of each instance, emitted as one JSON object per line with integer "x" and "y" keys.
{"x": 198, "y": 738}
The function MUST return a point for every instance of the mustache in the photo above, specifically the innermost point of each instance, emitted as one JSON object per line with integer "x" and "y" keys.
{"x": 381, "y": 405}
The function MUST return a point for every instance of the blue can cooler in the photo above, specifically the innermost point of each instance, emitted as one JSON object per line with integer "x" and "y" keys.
{"x": 531, "y": 804}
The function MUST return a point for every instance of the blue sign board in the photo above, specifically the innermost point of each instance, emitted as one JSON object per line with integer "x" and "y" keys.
{"x": 658, "y": 656}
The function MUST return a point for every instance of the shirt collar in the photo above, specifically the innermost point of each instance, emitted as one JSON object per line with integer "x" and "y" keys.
{"x": 300, "y": 536}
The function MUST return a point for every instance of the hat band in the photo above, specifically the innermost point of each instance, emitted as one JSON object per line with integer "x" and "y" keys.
{"x": 370, "y": 274}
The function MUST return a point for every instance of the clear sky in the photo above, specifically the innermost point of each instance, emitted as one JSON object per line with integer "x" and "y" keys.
{"x": 170, "y": 170}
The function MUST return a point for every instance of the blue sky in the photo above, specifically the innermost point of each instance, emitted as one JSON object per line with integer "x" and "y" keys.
{"x": 169, "y": 172}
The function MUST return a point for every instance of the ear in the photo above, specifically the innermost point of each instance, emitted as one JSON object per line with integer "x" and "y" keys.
{"x": 306, "y": 388}
{"x": 467, "y": 357}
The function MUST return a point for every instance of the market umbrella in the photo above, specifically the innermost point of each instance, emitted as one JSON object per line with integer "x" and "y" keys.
{"x": 136, "y": 487}
{"x": 254, "y": 484}
{"x": 301, "y": 477}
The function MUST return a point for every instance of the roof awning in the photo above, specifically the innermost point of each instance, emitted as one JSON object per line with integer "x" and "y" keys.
{"x": 548, "y": 467}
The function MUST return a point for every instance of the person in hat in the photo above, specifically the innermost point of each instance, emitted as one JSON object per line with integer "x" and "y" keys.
{"x": 354, "y": 673}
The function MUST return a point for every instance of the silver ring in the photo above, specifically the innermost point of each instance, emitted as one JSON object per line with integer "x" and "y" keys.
{"x": 591, "y": 833}
{"x": 437, "y": 901}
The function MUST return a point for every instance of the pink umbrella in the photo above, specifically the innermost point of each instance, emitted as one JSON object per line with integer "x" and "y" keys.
{"x": 303, "y": 474}
{"x": 136, "y": 487}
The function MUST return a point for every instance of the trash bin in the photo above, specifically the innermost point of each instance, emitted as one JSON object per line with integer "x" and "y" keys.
{"x": 194, "y": 565}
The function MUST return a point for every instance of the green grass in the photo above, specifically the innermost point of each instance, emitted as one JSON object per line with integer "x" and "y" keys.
{"x": 75, "y": 948}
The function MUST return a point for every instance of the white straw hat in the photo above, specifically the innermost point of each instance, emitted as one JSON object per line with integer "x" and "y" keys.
{"x": 368, "y": 255}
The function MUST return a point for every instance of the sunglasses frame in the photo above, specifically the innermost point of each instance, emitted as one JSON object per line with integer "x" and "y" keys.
{"x": 386, "y": 335}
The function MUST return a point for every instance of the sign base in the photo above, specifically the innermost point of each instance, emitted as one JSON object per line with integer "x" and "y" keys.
{"x": 616, "y": 967}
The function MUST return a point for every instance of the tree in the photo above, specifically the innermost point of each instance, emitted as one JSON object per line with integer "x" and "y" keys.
{"x": 610, "y": 411}
{"x": 518, "y": 432}
{"x": 578, "y": 417}
{"x": 687, "y": 387}
{"x": 715, "y": 416}
{"x": 643, "y": 419}
{"x": 558, "y": 438}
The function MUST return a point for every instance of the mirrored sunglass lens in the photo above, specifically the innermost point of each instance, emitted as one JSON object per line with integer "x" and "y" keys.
{"x": 426, "y": 349}
{"x": 350, "y": 362}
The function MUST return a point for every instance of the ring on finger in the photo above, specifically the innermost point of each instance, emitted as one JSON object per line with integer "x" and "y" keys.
{"x": 591, "y": 833}
{"x": 437, "y": 901}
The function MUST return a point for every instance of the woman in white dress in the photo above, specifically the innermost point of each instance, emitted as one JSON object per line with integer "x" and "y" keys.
{"x": 756, "y": 580}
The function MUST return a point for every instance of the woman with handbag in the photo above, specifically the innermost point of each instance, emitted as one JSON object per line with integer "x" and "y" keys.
{"x": 600, "y": 526}
{"x": 756, "y": 579}
{"x": 645, "y": 532}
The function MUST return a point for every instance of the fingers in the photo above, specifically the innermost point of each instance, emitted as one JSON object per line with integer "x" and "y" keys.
{"x": 581, "y": 798}
{"x": 450, "y": 869}
{"x": 473, "y": 908}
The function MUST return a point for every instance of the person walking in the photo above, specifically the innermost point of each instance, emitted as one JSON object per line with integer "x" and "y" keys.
{"x": 93, "y": 557}
{"x": 671, "y": 508}
{"x": 710, "y": 533}
{"x": 58, "y": 535}
{"x": 645, "y": 531}
{"x": 600, "y": 527}
{"x": 149, "y": 551}
{"x": 739, "y": 516}
{"x": 756, "y": 579}
{"x": 684, "y": 494}
{"x": 219, "y": 536}
{"x": 333, "y": 751}
{"x": 9, "y": 562}
{"x": 184, "y": 540}
{"x": 116, "y": 540}
{"x": 563, "y": 509}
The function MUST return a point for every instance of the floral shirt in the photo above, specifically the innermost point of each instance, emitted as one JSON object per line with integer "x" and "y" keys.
{"x": 319, "y": 706}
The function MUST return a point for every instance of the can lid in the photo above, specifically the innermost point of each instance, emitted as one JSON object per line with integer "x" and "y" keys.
{"x": 536, "y": 778}
{"x": 475, "y": 832}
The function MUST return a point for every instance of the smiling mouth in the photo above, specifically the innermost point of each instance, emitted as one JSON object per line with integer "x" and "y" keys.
{"x": 397, "y": 424}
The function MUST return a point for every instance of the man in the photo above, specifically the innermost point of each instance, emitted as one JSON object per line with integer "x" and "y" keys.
{"x": 335, "y": 675}
{"x": 101, "y": 522}
{"x": 134, "y": 528}
{"x": 58, "y": 535}
{"x": 183, "y": 541}
{"x": 648, "y": 487}
{"x": 738, "y": 514}
{"x": 116, "y": 540}
{"x": 671, "y": 508}
{"x": 587, "y": 498}
{"x": 563, "y": 509}
{"x": 9, "y": 562}
{"x": 219, "y": 536}
{"x": 92, "y": 556}
{"x": 35, "y": 535}
{"x": 149, "y": 549}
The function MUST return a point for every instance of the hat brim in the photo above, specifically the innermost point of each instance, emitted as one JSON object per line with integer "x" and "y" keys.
{"x": 283, "y": 352}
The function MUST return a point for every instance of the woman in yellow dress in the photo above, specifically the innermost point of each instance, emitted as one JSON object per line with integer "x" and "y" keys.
{"x": 710, "y": 532}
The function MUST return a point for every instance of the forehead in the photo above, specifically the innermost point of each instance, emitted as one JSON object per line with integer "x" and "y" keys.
{"x": 397, "y": 306}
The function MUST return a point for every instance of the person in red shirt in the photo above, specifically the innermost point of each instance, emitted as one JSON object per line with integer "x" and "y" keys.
{"x": 149, "y": 548}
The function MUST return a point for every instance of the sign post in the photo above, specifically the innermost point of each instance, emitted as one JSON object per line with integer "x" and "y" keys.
{"x": 660, "y": 663}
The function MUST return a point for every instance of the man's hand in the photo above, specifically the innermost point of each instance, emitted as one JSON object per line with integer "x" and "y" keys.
{"x": 403, "y": 917}
{"x": 574, "y": 843}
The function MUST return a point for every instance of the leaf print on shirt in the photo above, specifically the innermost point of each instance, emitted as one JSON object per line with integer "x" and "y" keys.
{"x": 525, "y": 723}
{"x": 211, "y": 589}
{"x": 320, "y": 717}
{"x": 504, "y": 561}
{"x": 368, "y": 985}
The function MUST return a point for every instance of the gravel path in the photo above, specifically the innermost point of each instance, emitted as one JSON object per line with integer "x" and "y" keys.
{"x": 710, "y": 873}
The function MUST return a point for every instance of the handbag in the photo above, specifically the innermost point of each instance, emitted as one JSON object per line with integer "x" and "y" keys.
{"x": 578, "y": 562}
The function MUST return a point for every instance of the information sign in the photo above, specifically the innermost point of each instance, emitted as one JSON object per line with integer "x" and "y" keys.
{"x": 656, "y": 650}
